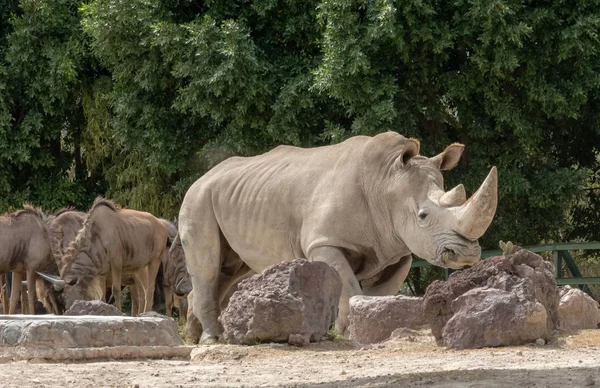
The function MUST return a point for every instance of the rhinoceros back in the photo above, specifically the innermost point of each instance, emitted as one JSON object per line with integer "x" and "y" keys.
{"x": 265, "y": 204}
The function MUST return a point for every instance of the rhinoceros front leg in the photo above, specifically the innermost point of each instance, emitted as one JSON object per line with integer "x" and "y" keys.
{"x": 350, "y": 286}
{"x": 391, "y": 278}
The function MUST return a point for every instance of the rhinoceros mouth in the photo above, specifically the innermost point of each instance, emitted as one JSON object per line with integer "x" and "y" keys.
{"x": 458, "y": 254}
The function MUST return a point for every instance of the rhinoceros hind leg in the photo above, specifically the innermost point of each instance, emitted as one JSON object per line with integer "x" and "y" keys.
{"x": 201, "y": 242}
{"x": 350, "y": 286}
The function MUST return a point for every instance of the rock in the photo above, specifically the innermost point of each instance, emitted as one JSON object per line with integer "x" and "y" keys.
{"x": 88, "y": 337}
{"x": 494, "y": 303}
{"x": 296, "y": 297}
{"x": 93, "y": 307}
{"x": 374, "y": 318}
{"x": 540, "y": 342}
{"x": 577, "y": 310}
{"x": 299, "y": 339}
{"x": 403, "y": 332}
{"x": 589, "y": 381}
{"x": 153, "y": 314}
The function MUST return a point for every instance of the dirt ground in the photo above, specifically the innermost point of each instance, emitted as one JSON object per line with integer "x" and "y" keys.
{"x": 415, "y": 361}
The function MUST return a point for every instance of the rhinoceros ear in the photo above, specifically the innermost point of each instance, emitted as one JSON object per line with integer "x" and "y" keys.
{"x": 410, "y": 150}
{"x": 449, "y": 158}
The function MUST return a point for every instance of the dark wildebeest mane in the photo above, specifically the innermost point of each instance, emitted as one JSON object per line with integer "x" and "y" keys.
{"x": 85, "y": 232}
{"x": 64, "y": 210}
{"x": 28, "y": 209}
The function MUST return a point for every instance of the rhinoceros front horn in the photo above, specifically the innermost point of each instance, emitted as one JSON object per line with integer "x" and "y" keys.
{"x": 58, "y": 283}
{"x": 476, "y": 215}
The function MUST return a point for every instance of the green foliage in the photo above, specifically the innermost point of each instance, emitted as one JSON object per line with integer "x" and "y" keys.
{"x": 136, "y": 99}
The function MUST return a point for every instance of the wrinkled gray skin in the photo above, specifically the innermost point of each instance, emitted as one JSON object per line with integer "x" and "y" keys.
{"x": 362, "y": 206}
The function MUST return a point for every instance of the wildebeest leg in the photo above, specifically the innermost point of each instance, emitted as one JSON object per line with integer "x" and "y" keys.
{"x": 116, "y": 285}
{"x": 102, "y": 280}
{"x": 350, "y": 286}
{"x": 392, "y": 278}
{"x": 152, "y": 272}
{"x": 3, "y": 295}
{"x": 31, "y": 290}
{"x": 15, "y": 292}
{"x": 135, "y": 298}
{"x": 182, "y": 307}
{"x": 138, "y": 291}
{"x": 24, "y": 301}
{"x": 168, "y": 302}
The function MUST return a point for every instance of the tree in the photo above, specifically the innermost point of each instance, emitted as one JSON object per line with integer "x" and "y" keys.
{"x": 143, "y": 97}
{"x": 45, "y": 71}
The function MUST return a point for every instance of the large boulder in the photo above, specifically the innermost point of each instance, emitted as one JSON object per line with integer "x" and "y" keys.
{"x": 577, "y": 310}
{"x": 496, "y": 302}
{"x": 293, "y": 301}
{"x": 374, "y": 318}
{"x": 93, "y": 307}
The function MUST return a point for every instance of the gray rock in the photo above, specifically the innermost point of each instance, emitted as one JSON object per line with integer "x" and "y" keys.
{"x": 577, "y": 310}
{"x": 93, "y": 307}
{"x": 42, "y": 332}
{"x": 540, "y": 342}
{"x": 496, "y": 302}
{"x": 374, "y": 318}
{"x": 297, "y": 297}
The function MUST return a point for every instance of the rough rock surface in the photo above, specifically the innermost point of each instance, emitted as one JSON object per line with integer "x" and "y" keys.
{"x": 496, "y": 302}
{"x": 289, "y": 301}
{"x": 577, "y": 310}
{"x": 93, "y": 307}
{"x": 374, "y": 318}
{"x": 87, "y": 331}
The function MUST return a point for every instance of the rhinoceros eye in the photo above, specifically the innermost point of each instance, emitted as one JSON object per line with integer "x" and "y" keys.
{"x": 423, "y": 213}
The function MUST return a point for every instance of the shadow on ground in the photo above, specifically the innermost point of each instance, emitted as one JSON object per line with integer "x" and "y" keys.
{"x": 559, "y": 378}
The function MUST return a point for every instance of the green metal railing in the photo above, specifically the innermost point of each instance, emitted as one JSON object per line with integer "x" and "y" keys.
{"x": 561, "y": 255}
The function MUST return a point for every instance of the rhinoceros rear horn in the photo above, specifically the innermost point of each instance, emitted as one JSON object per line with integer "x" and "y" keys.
{"x": 455, "y": 197}
{"x": 476, "y": 215}
{"x": 58, "y": 283}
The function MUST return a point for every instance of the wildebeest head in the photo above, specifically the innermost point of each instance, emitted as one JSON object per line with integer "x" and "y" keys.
{"x": 440, "y": 226}
{"x": 78, "y": 271}
{"x": 176, "y": 274}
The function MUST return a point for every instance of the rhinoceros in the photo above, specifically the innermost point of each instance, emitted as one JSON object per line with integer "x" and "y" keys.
{"x": 362, "y": 206}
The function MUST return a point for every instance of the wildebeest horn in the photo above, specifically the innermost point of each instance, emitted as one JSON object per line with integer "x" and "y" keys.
{"x": 476, "y": 215}
{"x": 58, "y": 283}
{"x": 455, "y": 197}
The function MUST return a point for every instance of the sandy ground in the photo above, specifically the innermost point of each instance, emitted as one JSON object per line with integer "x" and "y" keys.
{"x": 414, "y": 361}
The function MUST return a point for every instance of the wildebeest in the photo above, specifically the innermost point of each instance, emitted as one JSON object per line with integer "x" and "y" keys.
{"x": 24, "y": 245}
{"x": 63, "y": 227}
{"x": 362, "y": 206}
{"x": 177, "y": 284}
{"x": 114, "y": 242}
